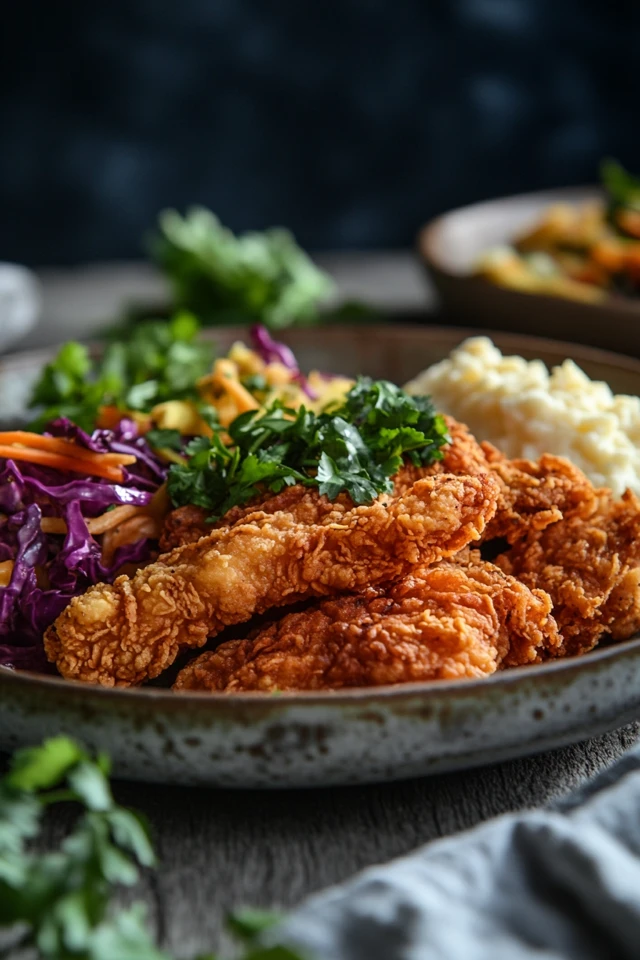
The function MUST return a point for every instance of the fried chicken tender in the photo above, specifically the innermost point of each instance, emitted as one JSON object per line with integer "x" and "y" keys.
{"x": 132, "y": 630}
{"x": 442, "y": 623}
{"x": 591, "y": 569}
{"x": 187, "y": 524}
{"x": 533, "y": 494}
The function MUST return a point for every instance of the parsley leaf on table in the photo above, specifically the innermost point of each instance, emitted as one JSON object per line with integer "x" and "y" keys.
{"x": 62, "y": 898}
{"x": 256, "y": 277}
{"x": 158, "y": 360}
{"x": 59, "y": 903}
{"x": 355, "y": 447}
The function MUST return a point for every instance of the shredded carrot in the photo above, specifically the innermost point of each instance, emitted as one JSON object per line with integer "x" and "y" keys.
{"x": 160, "y": 504}
{"x": 129, "y": 531}
{"x": 109, "y": 417}
{"x": 112, "y": 518}
{"x": 240, "y": 394}
{"x": 65, "y": 448}
{"x": 95, "y": 525}
{"x": 157, "y": 509}
{"x": 53, "y": 525}
{"x": 6, "y": 569}
{"x": 58, "y": 462}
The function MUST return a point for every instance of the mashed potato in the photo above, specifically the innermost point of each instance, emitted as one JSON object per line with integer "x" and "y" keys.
{"x": 526, "y": 411}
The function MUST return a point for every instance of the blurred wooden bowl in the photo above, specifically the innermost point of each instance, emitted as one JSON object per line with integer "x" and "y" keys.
{"x": 450, "y": 245}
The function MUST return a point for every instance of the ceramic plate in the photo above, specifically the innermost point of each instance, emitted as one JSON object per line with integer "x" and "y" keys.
{"x": 358, "y": 736}
{"x": 450, "y": 245}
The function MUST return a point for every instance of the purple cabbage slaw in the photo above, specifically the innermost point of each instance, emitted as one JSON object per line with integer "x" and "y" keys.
{"x": 67, "y": 564}
{"x": 273, "y": 352}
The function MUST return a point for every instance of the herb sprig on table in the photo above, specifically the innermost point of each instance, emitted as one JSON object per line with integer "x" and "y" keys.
{"x": 356, "y": 448}
{"x": 260, "y": 277}
{"x": 157, "y": 361}
{"x": 59, "y": 903}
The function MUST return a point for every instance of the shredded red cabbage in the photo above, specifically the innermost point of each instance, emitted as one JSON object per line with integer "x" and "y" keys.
{"x": 273, "y": 352}
{"x": 50, "y": 569}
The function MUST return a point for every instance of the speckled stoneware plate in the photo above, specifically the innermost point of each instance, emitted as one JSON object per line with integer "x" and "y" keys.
{"x": 357, "y": 736}
{"x": 450, "y": 245}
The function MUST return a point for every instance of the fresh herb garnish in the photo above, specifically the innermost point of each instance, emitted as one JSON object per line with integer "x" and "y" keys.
{"x": 164, "y": 439}
{"x": 623, "y": 189}
{"x": 60, "y": 903}
{"x": 160, "y": 360}
{"x": 255, "y": 383}
{"x": 356, "y": 447}
{"x": 257, "y": 277}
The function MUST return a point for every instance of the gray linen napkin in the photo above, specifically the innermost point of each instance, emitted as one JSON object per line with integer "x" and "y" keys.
{"x": 558, "y": 884}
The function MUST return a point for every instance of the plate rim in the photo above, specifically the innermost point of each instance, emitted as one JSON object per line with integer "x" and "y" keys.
{"x": 164, "y": 696}
{"x": 459, "y": 333}
{"x": 425, "y": 235}
{"x": 427, "y": 248}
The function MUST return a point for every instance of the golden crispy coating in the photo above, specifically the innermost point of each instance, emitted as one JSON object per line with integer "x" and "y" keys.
{"x": 536, "y": 494}
{"x": 130, "y": 631}
{"x": 533, "y": 494}
{"x": 442, "y": 623}
{"x": 188, "y": 524}
{"x": 590, "y": 567}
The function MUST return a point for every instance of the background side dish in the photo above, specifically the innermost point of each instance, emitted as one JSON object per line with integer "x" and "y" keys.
{"x": 583, "y": 252}
{"x": 233, "y": 524}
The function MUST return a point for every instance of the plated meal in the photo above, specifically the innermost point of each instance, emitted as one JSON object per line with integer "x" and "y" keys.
{"x": 235, "y": 525}
{"x": 586, "y": 252}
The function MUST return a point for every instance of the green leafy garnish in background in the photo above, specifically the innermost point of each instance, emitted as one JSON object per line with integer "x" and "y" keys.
{"x": 356, "y": 448}
{"x": 623, "y": 189}
{"x": 223, "y": 278}
{"x": 158, "y": 360}
{"x": 59, "y": 903}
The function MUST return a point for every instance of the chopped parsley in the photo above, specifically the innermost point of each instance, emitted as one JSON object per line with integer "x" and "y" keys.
{"x": 164, "y": 439}
{"x": 257, "y": 277}
{"x": 62, "y": 904}
{"x": 355, "y": 447}
{"x": 160, "y": 360}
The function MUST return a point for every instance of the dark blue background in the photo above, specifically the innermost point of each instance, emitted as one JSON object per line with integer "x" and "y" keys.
{"x": 350, "y": 121}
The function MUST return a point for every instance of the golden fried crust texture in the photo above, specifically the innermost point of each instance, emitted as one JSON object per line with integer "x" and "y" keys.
{"x": 590, "y": 567}
{"x": 442, "y": 623}
{"x": 533, "y": 494}
{"x": 188, "y": 524}
{"x": 536, "y": 493}
{"x": 132, "y": 630}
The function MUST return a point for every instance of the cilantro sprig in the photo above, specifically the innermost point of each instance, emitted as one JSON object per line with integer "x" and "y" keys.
{"x": 158, "y": 360}
{"x": 58, "y": 904}
{"x": 356, "y": 448}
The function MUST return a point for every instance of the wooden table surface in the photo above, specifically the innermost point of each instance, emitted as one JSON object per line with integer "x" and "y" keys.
{"x": 220, "y": 849}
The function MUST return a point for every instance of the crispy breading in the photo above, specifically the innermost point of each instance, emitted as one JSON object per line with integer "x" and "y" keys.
{"x": 591, "y": 569}
{"x": 537, "y": 493}
{"x": 187, "y": 524}
{"x": 130, "y": 631}
{"x": 445, "y": 622}
{"x": 533, "y": 494}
